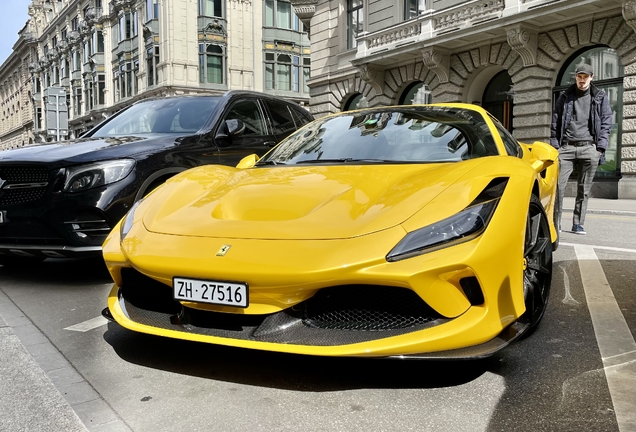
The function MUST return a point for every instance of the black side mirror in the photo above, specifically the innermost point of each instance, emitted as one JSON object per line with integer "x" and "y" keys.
{"x": 234, "y": 127}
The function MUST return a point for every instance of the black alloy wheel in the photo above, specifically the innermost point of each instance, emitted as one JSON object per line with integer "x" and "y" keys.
{"x": 537, "y": 256}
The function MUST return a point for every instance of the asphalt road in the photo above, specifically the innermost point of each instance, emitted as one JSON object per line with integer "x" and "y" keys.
{"x": 565, "y": 377}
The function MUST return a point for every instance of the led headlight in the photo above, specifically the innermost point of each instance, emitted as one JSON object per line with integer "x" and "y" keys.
{"x": 85, "y": 177}
{"x": 127, "y": 222}
{"x": 459, "y": 228}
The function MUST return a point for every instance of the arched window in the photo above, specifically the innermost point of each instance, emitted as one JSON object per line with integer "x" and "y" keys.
{"x": 608, "y": 76}
{"x": 211, "y": 69}
{"x": 416, "y": 93}
{"x": 356, "y": 101}
{"x": 497, "y": 99}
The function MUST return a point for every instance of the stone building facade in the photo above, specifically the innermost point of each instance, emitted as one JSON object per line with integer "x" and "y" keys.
{"x": 102, "y": 56}
{"x": 513, "y": 57}
{"x": 16, "y": 89}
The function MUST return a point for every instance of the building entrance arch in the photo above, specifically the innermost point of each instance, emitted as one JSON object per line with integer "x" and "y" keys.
{"x": 497, "y": 98}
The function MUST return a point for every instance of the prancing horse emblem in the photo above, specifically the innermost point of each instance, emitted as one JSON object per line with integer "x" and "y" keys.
{"x": 223, "y": 250}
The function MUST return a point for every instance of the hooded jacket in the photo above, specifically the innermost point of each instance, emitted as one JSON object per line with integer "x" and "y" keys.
{"x": 600, "y": 116}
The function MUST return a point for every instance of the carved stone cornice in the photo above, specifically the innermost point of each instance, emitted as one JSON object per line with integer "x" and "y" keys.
{"x": 523, "y": 40}
{"x": 437, "y": 60}
{"x": 629, "y": 13}
{"x": 372, "y": 75}
{"x": 305, "y": 10}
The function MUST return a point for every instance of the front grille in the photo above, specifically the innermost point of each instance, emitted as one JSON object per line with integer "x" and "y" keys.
{"x": 29, "y": 232}
{"x": 367, "y": 308}
{"x": 16, "y": 175}
{"x": 24, "y": 174}
{"x": 334, "y": 316}
{"x": 21, "y": 196}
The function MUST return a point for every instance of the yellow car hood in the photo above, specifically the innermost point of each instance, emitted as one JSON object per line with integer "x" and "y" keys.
{"x": 317, "y": 202}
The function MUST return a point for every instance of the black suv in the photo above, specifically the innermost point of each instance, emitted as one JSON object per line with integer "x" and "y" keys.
{"x": 62, "y": 199}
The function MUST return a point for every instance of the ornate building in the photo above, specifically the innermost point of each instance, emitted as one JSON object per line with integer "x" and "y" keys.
{"x": 79, "y": 61}
{"x": 16, "y": 91}
{"x": 513, "y": 57}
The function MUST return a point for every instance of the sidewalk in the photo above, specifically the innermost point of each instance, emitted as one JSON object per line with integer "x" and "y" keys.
{"x": 600, "y": 205}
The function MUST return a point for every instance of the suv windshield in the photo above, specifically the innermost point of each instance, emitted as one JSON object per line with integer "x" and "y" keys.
{"x": 412, "y": 134}
{"x": 173, "y": 115}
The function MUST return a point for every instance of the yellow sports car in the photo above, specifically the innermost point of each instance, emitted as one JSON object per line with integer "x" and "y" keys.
{"x": 408, "y": 231}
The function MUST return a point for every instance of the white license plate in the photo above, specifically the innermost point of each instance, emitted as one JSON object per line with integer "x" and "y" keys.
{"x": 212, "y": 292}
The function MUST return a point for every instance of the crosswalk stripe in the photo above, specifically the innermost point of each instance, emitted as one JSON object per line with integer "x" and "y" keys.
{"x": 615, "y": 341}
{"x": 88, "y": 325}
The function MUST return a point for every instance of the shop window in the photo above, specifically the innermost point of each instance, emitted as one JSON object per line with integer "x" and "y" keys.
{"x": 415, "y": 94}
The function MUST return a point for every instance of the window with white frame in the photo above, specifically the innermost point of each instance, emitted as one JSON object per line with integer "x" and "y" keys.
{"x": 286, "y": 72}
{"x": 124, "y": 81}
{"x": 152, "y": 60}
{"x": 152, "y": 9}
{"x": 279, "y": 14}
{"x": 413, "y": 8}
{"x": 210, "y": 8}
{"x": 211, "y": 63}
{"x": 355, "y": 21}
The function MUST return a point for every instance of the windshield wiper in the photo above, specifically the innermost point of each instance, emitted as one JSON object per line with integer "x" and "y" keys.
{"x": 341, "y": 160}
{"x": 269, "y": 162}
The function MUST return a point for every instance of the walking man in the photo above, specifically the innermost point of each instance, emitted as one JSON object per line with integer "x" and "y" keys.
{"x": 580, "y": 130}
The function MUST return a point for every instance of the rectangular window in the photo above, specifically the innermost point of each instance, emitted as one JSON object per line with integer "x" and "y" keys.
{"x": 283, "y": 76}
{"x": 355, "y": 21}
{"x": 269, "y": 76}
{"x": 152, "y": 9}
{"x": 215, "y": 69}
{"x": 63, "y": 34}
{"x": 74, "y": 23}
{"x": 101, "y": 86}
{"x": 150, "y": 67}
{"x": 100, "y": 42}
{"x": 283, "y": 14}
{"x": 295, "y": 74}
{"x": 269, "y": 13}
{"x": 413, "y": 8}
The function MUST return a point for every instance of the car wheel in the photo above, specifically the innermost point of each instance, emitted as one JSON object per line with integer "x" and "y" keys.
{"x": 537, "y": 258}
{"x": 14, "y": 261}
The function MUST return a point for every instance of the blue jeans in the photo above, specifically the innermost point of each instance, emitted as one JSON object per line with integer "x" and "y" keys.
{"x": 585, "y": 159}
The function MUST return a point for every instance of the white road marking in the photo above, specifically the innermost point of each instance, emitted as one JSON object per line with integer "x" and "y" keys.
{"x": 568, "y": 299}
{"x": 611, "y": 248}
{"x": 615, "y": 341}
{"x": 88, "y": 325}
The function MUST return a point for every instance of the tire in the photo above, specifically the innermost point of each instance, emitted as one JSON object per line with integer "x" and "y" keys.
{"x": 537, "y": 273}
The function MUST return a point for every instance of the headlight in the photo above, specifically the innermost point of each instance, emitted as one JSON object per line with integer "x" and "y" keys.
{"x": 127, "y": 222}
{"x": 86, "y": 177}
{"x": 459, "y": 228}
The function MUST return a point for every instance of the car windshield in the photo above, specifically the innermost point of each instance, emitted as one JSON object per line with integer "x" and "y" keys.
{"x": 400, "y": 135}
{"x": 169, "y": 116}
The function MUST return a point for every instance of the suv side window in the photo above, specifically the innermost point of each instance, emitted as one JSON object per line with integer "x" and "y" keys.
{"x": 512, "y": 146}
{"x": 300, "y": 118}
{"x": 281, "y": 117}
{"x": 249, "y": 113}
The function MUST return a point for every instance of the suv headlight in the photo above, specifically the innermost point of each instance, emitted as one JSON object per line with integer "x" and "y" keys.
{"x": 85, "y": 177}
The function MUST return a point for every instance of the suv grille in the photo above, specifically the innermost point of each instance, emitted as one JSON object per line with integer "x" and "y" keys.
{"x": 13, "y": 176}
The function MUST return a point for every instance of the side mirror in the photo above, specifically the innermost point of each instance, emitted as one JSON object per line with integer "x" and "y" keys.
{"x": 248, "y": 161}
{"x": 234, "y": 127}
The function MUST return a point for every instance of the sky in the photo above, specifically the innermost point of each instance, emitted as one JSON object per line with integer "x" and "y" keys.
{"x": 13, "y": 16}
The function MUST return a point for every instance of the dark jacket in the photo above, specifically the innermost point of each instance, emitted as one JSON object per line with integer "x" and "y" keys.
{"x": 600, "y": 116}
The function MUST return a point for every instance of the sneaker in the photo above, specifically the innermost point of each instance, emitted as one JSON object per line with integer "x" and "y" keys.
{"x": 578, "y": 229}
